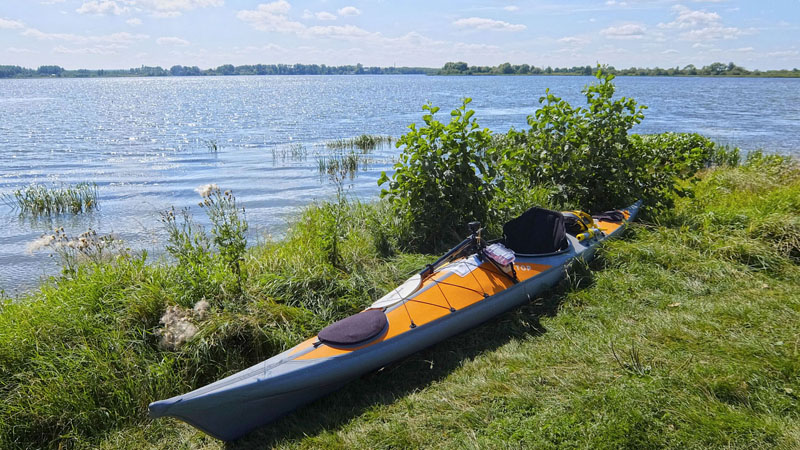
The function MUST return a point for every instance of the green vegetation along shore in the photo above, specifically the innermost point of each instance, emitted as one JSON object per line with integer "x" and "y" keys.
{"x": 683, "y": 334}
{"x": 716, "y": 69}
{"x": 53, "y": 71}
{"x": 450, "y": 68}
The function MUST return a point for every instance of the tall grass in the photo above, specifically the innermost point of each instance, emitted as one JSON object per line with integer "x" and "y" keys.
{"x": 291, "y": 152}
{"x": 365, "y": 142}
{"x": 82, "y": 355}
{"x": 39, "y": 200}
{"x": 342, "y": 165}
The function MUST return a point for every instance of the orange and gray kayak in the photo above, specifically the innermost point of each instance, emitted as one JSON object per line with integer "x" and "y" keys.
{"x": 472, "y": 283}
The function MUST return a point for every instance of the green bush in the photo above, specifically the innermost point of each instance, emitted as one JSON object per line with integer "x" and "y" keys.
{"x": 442, "y": 180}
{"x": 582, "y": 153}
{"x": 570, "y": 157}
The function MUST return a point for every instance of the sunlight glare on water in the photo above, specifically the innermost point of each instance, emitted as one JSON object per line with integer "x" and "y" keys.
{"x": 147, "y": 142}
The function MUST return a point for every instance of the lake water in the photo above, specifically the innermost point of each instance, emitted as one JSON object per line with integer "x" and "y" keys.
{"x": 144, "y": 141}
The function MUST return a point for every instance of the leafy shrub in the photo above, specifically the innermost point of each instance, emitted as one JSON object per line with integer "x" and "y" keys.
{"x": 442, "y": 180}
{"x": 587, "y": 157}
{"x": 668, "y": 158}
{"x": 570, "y": 157}
{"x": 583, "y": 153}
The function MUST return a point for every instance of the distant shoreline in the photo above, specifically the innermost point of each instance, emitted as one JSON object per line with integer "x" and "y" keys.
{"x": 715, "y": 70}
{"x": 67, "y": 77}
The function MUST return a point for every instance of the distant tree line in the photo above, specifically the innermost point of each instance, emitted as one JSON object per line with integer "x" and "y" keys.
{"x": 226, "y": 69}
{"x": 450, "y": 68}
{"x": 715, "y": 69}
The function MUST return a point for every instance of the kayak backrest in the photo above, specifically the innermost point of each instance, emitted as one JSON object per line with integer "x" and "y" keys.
{"x": 355, "y": 329}
{"x": 536, "y": 231}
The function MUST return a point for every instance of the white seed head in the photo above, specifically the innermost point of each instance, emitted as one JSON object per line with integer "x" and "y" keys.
{"x": 206, "y": 189}
{"x": 40, "y": 243}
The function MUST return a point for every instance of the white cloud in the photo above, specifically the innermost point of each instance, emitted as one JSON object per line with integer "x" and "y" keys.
{"x": 102, "y": 8}
{"x": 744, "y": 49}
{"x": 573, "y": 40}
{"x": 252, "y": 49}
{"x": 511, "y": 8}
{"x": 688, "y": 18}
{"x": 323, "y": 15}
{"x": 171, "y": 40}
{"x": 714, "y": 33}
{"x": 95, "y": 50}
{"x": 135, "y": 22}
{"x": 616, "y": 3}
{"x": 783, "y": 53}
{"x": 171, "y": 8}
{"x": 19, "y": 50}
{"x": 670, "y": 51}
{"x": 627, "y": 31}
{"x": 701, "y": 26}
{"x": 346, "y": 32}
{"x": 7, "y": 24}
{"x": 480, "y": 23}
{"x": 271, "y": 17}
{"x": 115, "y": 38}
{"x": 349, "y": 11}
{"x": 52, "y": 2}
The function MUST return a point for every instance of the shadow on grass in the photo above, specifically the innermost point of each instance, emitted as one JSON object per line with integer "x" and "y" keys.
{"x": 398, "y": 379}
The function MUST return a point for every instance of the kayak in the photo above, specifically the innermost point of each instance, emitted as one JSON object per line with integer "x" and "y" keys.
{"x": 469, "y": 285}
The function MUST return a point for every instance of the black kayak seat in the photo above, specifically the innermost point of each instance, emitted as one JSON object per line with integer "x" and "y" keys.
{"x": 355, "y": 329}
{"x": 536, "y": 231}
{"x": 610, "y": 216}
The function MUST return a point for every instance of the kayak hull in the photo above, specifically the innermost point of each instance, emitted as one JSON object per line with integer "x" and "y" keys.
{"x": 234, "y": 406}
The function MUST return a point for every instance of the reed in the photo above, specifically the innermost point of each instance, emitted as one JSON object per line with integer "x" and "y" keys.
{"x": 38, "y": 199}
{"x": 212, "y": 145}
{"x": 291, "y": 152}
{"x": 366, "y": 142}
{"x": 342, "y": 165}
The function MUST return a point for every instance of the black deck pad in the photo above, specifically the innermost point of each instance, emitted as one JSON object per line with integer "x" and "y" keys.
{"x": 354, "y": 329}
{"x": 536, "y": 231}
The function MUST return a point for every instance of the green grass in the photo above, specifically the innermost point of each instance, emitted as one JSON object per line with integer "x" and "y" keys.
{"x": 39, "y": 200}
{"x": 682, "y": 334}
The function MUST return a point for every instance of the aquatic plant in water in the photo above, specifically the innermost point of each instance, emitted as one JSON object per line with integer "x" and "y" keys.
{"x": 341, "y": 165}
{"x": 38, "y": 199}
{"x": 366, "y": 142}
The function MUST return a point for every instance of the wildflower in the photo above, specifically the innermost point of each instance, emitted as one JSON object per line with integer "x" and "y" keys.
{"x": 206, "y": 189}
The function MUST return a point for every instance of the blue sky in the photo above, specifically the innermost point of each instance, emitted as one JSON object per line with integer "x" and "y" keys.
{"x": 207, "y": 33}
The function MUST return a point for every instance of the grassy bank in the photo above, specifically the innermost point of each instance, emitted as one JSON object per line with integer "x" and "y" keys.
{"x": 682, "y": 334}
